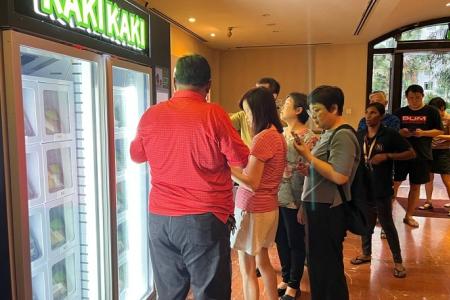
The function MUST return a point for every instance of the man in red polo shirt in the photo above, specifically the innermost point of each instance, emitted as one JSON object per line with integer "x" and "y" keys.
{"x": 189, "y": 145}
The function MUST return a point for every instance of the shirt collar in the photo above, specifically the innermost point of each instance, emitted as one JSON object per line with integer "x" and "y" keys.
{"x": 379, "y": 132}
{"x": 189, "y": 94}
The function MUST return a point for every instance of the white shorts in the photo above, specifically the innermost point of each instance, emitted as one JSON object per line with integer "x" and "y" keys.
{"x": 254, "y": 231}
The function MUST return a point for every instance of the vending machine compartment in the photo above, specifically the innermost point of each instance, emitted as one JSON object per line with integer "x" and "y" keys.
{"x": 122, "y": 238}
{"x": 60, "y": 164}
{"x": 121, "y": 191}
{"x": 120, "y": 120}
{"x": 38, "y": 250}
{"x": 123, "y": 278}
{"x": 39, "y": 282}
{"x": 62, "y": 225}
{"x": 31, "y": 110}
{"x": 34, "y": 175}
{"x": 64, "y": 276}
{"x": 121, "y": 156}
{"x": 57, "y": 116}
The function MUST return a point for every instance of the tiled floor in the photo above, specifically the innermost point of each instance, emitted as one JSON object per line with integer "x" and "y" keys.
{"x": 426, "y": 253}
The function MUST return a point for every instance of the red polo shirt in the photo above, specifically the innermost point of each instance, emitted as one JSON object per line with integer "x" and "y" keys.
{"x": 188, "y": 144}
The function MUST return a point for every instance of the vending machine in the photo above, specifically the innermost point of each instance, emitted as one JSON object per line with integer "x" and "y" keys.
{"x": 76, "y": 77}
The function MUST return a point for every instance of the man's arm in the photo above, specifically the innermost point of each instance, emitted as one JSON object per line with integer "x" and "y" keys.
{"x": 427, "y": 133}
{"x": 137, "y": 151}
{"x": 231, "y": 144}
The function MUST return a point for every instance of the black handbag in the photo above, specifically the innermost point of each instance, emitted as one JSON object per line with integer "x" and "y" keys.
{"x": 357, "y": 207}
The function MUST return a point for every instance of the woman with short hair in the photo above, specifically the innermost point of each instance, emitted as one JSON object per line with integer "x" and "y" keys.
{"x": 329, "y": 164}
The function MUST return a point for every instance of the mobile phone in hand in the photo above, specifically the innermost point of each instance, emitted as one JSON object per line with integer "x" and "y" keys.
{"x": 297, "y": 139}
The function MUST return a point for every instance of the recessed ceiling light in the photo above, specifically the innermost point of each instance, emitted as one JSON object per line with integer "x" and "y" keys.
{"x": 192, "y": 20}
{"x": 448, "y": 4}
{"x": 212, "y": 34}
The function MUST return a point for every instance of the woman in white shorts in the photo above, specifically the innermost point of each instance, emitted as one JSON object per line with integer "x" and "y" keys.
{"x": 256, "y": 199}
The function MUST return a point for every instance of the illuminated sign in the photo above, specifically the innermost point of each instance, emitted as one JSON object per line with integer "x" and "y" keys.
{"x": 97, "y": 17}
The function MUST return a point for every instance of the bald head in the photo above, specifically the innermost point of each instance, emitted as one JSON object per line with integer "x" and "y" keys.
{"x": 378, "y": 96}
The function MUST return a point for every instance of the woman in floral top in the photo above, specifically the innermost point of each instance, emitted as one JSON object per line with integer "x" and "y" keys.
{"x": 290, "y": 236}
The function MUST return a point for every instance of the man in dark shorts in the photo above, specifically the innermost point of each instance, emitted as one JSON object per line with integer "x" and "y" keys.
{"x": 419, "y": 123}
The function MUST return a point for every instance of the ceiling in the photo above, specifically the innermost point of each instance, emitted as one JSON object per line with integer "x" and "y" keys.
{"x": 291, "y": 22}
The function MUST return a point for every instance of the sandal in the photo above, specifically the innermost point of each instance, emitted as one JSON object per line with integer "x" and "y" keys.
{"x": 411, "y": 222}
{"x": 447, "y": 205}
{"x": 400, "y": 273}
{"x": 281, "y": 291}
{"x": 426, "y": 206}
{"x": 360, "y": 260}
{"x": 287, "y": 297}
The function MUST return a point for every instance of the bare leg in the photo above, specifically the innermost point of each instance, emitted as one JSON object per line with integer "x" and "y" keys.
{"x": 446, "y": 181}
{"x": 268, "y": 274}
{"x": 250, "y": 285}
{"x": 396, "y": 186}
{"x": 429, "y": 188}
{"x": 413, "y": 199}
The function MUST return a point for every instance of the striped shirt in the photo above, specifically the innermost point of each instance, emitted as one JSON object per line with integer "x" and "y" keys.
{"x": 269, "y": 147}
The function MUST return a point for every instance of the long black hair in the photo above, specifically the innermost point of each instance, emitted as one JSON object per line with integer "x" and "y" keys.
{"x": 264, "y": 110}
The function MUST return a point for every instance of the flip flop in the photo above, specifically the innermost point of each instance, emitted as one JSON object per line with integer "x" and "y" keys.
{"x": 411, "y": 222}
{"x": 426, "y": 206}
{"x": 399, "y": 273}
{"x": 360, "y": 261}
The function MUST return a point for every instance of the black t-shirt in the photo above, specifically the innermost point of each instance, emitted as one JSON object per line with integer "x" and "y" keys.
{"x": 387, "y": 140}
{"x": 426, "y": 118}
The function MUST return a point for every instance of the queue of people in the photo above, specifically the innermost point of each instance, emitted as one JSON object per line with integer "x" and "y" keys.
{"x": 289, "y": 181}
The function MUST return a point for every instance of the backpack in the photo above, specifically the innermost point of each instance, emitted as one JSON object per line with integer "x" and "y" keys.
{"x": 356, "y": 207}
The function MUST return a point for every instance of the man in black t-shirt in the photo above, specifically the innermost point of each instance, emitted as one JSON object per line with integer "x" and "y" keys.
{"x": 419, "y": 123}
{"x": 381, "y": 146}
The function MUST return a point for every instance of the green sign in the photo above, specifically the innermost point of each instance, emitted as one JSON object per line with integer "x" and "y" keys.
{"x": 97, "y": 17}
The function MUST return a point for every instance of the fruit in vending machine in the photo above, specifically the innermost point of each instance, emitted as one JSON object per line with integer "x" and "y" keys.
{"x": 59, "y": 281}
{"x": 55, "y": 178}
{"x": 57, "y": 234}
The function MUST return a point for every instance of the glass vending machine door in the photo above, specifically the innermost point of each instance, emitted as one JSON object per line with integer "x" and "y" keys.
{"x": 131, "y": 94}
{"x": 59, "y": 96}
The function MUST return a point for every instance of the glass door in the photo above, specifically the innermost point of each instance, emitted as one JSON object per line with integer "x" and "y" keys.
{"x": 131, "y": 97}
{"x": 56, "y": 171}
{"x": 431, "y": 70}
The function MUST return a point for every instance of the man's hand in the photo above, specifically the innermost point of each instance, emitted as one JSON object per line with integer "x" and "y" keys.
{"x": 404, "y": 132}
{"x": 301, "y": 216}
{"x": 378, "y": 158}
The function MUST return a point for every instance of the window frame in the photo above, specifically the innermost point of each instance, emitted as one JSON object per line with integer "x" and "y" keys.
{"x": 395, "y": 88}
